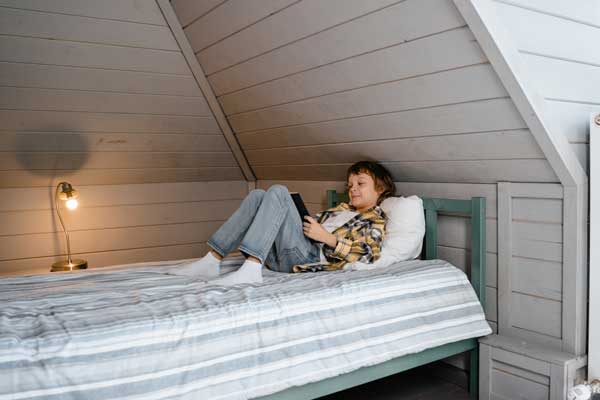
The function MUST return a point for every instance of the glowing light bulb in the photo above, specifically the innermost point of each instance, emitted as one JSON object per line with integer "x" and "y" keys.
{"x": 71, "y": 204}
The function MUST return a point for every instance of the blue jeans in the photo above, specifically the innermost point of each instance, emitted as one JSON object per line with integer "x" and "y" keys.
{"x": 267, "y": 225}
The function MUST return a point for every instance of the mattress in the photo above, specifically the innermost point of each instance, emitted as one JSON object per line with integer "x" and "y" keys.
{"x": 139, "y": 332}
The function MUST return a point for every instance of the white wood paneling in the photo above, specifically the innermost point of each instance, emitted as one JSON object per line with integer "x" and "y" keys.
{"x": 94, "y": 101}
{"x": 530, "y": 263}
{"x": 478, "y": 116}
{"x": 55, "y": 121}
{"x": 231, "y": 17}
{"x": 427, "y": 91}
{"x": 446, "y": 50}
{"x": 190, "y": 10}
{"x": 95, "y": 142}
{"x": 78, "y": 78}
{"x": 36, "y": 161}
{"x": 90, "y": 55}
{"x": 41, "y": 265}
{"x": 402, "y": 22}
{"x": 345, "y": 82}
{"x": 141, "y": 11}
{"x": 74, "y": 73}
{"x": 26, "y": 178}
{"x": 84, "y": 29}
{"x": 114, "y": 224}
{"x": 300, "y": 20}
{"x": 474, "y": 146}
{"x": 100, "y": 95}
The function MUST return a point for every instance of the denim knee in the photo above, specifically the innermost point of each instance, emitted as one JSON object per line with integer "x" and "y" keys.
{"x": 279, "y": 190}
{"x": 256, "y": 193}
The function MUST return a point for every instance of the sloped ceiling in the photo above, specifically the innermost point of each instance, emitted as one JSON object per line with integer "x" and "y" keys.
{"x": 101, "y": 94}
{"x": 310, "y": 87}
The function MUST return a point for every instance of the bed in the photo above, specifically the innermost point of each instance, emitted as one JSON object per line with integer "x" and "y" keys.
{"x": 139, "y": 332}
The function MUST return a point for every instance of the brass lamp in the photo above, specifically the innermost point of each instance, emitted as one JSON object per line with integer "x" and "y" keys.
{"x": 66, "y": 193}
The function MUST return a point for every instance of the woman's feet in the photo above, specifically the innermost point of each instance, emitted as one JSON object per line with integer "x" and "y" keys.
{"x": 249, "y": 272}
{"x": 208, "y": 267}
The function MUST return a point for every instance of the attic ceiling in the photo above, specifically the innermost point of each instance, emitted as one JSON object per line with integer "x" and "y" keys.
{"x": 101, "y": 94}
{"x": 309, "y": 87}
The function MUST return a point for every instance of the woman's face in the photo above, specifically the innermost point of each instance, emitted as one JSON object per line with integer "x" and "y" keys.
{"x": 362, "y": 192}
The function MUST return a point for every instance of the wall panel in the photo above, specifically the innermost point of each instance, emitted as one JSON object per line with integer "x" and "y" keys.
{"x": 314, "y": 87}
{"x": 98, "y": 93}
{"x": 114, "y": 224}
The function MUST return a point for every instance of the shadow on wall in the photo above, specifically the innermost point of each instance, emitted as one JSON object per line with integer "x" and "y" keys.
{"x": 55, "y": 156}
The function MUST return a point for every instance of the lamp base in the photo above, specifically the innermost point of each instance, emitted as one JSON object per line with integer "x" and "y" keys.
{"x": 66, "y": 266}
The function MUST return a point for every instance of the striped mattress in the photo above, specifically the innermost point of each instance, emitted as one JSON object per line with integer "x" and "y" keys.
{"x": 138, "y": 332}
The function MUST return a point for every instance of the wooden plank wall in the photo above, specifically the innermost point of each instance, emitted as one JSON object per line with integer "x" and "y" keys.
{"x": 310, "y": 86}
{"x": 558, "y": 46}
{"x": 98, "y": 93}
{"x": 114, "y": 224}
{"x": 530, "y": 264}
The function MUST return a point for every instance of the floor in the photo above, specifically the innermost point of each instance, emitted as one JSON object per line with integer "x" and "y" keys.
{"x": 424, "y": 383}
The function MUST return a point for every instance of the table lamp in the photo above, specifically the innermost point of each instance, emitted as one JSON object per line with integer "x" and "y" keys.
{"x": 66, "y": 193}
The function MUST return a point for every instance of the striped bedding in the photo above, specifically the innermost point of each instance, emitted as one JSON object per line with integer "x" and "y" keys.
{"x": 141, "y": 333}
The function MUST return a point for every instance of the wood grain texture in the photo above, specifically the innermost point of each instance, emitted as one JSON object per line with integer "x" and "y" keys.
{"x": 29, "y": 199}
{"x": 230, "y": 17}
{"x": 38, "y": 161}
{"x": 91, "y": 55}
{"x": 115, "y": 216}
{"x": 446, "y": 50}
{"x": 80, "y": 78}
{"x": 115, "y": 223}
{"x": 101, "y": 142}
{"x": 84, "y": 29}
{"x": 93, "y": 101}
{"x": 44, "y": 178}
{"x": 56, "y": 121}
{"x": 426, "y": 91}
{"x": 41, "y": 265}
{"x": 141, "y": 11}
{"x": 493, "y": 115}
{"x": 300, "y": 20}
{"x": 189, "y": 10}
{"x": 402, "y": 22}
{"x": 475, "y": 146}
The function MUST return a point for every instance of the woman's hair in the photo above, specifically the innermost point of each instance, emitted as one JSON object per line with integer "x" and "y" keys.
{"x": 381, "y": 176}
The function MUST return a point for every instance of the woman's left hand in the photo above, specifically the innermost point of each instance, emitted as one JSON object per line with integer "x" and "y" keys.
{"x": 315, "y": 231}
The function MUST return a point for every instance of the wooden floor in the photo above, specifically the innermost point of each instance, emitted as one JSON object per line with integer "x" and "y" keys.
{"x": 424, "y": 383}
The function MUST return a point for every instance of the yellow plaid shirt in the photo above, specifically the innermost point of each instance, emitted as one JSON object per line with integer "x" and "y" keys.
{"x": 359, "y": 239}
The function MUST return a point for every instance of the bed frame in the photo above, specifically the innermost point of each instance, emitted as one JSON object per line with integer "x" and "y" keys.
{"x": 475, "y": 208}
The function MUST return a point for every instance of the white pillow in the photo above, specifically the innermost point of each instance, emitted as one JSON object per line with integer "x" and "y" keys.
{"x": 404, "y": 232}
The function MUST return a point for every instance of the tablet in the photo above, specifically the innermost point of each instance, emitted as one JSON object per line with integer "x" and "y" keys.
{"x": 299, "y": 205}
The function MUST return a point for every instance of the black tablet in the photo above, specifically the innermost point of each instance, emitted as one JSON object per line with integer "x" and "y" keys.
{"x": 299, "y": 205}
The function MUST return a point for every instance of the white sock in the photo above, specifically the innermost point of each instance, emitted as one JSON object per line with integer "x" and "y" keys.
{"x": 207, "y": 267}
{"x": 249, "y": 272}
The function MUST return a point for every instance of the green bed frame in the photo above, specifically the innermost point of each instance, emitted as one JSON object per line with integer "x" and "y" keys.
{"x": 475, "y": 208}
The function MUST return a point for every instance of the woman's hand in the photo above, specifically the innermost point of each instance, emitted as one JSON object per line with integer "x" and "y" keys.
{"x": 315, "y": 231}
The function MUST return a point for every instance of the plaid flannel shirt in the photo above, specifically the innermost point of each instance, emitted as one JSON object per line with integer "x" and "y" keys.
{"x": 359, "y": 239}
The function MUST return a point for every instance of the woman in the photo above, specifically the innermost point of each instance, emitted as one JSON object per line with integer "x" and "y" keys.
{"x": 268, "y": 230}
